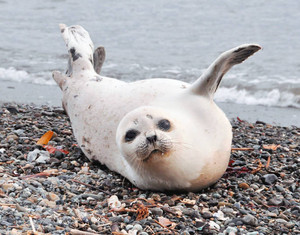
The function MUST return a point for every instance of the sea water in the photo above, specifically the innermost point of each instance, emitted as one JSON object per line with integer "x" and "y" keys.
{"x": 148, "y": 39}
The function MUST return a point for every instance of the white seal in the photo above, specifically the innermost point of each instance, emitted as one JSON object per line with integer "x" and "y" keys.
{"x": 161, "y": 134}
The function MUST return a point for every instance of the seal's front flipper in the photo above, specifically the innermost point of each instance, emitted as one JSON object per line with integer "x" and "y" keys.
{"x": 59, "y": 78}
{"x": 210, "y": 80}
{"x": 99, "y": 57}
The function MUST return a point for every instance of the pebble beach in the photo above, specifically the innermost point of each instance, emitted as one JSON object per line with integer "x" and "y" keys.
{"x": 55, "y": 189}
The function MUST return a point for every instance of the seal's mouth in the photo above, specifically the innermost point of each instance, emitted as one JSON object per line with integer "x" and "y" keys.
{"x": 155, "y": 152}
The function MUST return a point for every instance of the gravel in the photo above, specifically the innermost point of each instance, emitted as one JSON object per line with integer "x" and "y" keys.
{"x": 63, "y": 192}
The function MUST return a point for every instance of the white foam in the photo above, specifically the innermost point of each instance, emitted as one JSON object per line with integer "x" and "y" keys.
{"x": 273, "y": 97}
{"x": 12, "y": 74}
{"x": 263, "y": 95}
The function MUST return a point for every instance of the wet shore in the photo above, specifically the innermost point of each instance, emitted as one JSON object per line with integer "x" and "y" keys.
{"x": 55, "y": 189}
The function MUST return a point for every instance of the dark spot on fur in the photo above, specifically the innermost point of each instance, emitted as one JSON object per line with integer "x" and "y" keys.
{"x": 91, "y": 60}
{"x": 64, "y": 107}
{"x": 85, "y": 140}
{"x": 149, "y": 116}
{"x": 219, "y": 81}
{"x": 66, "y": 88}
{"x": 62, "y": 30}
{"x": 82, "y": 146}
{"x": 183, "y": 86}
{"x": 136, "y": 121}
{"x": 96, "y": 79}
{"x": 75, "y": 96}
{"x": 89, "y": 151}
{"x": 74, "y": 55}
{"x": 90, "y": 106}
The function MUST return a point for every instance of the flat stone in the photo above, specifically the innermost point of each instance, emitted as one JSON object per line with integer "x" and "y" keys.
{"x": 12, "y": 137}
{"x": 271, "y": 214}
{"x": 289, "y": 225}
{"x": 214, "y": 226}
{"x": 249, "y": 219}
{"x": 281, "y": 221}
{"x": 8, "y": 187}
{"x": 275, "y": 201}
{"x": 207, "y": 215}
{"x": 137, "y": 227}
{"x": 52, "y": 197}
{"x": 231, "y": 230}
{"x": 269, "y": 179}
{"x": 46, "y": 202}
{"x": 157, "y": 211}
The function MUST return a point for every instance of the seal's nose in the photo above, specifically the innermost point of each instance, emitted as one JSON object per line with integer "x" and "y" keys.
{"x": 151, "y": 139}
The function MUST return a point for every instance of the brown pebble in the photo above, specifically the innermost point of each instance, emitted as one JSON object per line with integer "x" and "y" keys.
{"x": 220, "y": 204}
{"x": 7, "y": 187}
{"x": 244, "y": 185}
{"x": 52, "y": 197}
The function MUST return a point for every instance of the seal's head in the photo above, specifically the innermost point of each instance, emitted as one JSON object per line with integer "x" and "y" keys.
{"x": 167, "y": 149}
{"x": 146, "y": 135}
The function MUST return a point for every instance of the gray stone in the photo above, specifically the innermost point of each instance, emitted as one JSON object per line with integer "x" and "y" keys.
{"x": 129, "y": 227}
{"x": 282, "y": 221}
{"x": 275, "y": 201}
{"x": 207, "y": 215}
{"x": 116, "y": 219}
{"x": 38, "y": 156}
{"x": 269, "y": 179}
{"x": 250, "y": 220}
{"x": 290, "y": 225}
{"x": 26, "y": 193}
{"x": 231, "y": 230}
{"x": 137, "y": 227}
{"x": 157, "y": 211}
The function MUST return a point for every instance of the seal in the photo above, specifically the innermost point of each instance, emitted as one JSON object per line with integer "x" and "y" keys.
{"x": 161, "y": 134}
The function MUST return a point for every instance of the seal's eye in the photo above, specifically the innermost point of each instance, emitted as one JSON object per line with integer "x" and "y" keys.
{"x": 164, "y": 125}
{"x": 130, "y": 135}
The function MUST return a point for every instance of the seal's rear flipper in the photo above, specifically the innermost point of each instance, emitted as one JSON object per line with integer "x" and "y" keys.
{"x": 99, "y": 57}
{"x": 210, "y": 80}
{"x": 80, "y": 48}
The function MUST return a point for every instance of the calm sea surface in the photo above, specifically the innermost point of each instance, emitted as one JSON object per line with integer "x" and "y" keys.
{"x": 175, "y": 39}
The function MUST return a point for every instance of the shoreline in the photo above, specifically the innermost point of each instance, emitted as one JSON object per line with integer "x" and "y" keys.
{"x": 27, "y": 93}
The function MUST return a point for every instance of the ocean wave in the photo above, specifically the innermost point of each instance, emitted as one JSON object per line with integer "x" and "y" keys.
{"x": 273, "y": 97}
{"x": 14, "y": 75}
{"x": 236, "y": 92}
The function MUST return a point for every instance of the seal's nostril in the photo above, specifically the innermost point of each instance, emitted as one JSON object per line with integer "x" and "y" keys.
{"x": 151, "y": 139}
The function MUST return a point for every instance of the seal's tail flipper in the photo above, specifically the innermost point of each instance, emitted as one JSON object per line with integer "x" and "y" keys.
{"x": 99, "y": 57}
{"x": 80, "y": 48}
{"x": 208, "y": 83}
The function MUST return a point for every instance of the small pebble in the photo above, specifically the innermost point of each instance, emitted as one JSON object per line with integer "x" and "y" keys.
{"x": 137, "y": 227}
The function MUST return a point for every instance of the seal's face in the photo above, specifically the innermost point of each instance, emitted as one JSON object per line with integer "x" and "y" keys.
{"x": 146, "y": 136}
